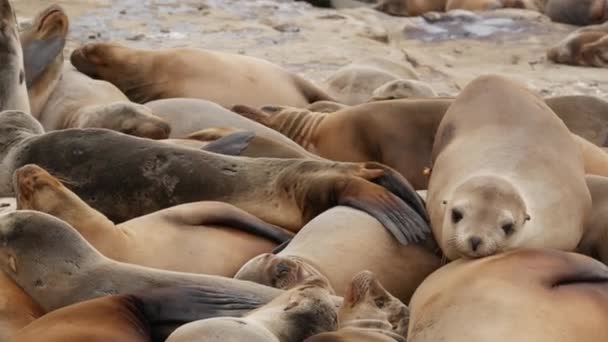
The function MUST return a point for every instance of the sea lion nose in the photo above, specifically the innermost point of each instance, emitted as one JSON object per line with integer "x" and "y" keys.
{"x": 475, "y": 242}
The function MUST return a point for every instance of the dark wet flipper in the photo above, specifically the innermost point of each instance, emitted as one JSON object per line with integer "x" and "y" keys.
{"x": 398, "y": 217}
{"x": 167, "y": 309}
{"x": 38, "y": 54}
{"x": 232, "y": 144}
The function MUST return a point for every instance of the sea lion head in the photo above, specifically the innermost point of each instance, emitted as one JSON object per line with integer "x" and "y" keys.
{"x": 41, "y": 252}
{"x": 482, "y": 217}
{"x": 402, "y": 89}
{"x": 305, "y": 310}
{"x": 570, "y": 50}
{"x": 368, "y": 305}
{"x": 281, "y": 272}
{"x": 126, "y": 117}
{"x": 37, "y": 190}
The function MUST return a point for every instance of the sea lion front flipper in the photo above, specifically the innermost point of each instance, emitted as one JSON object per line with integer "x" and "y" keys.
{"x": 38, "y": 54}
{"x": 224, "y": 214}
{"x": 232, "y": 144}
{"x": 167, "y": 309}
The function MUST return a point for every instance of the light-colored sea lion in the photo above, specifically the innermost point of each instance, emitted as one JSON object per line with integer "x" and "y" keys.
{"x": 146, "y": 75}
{"x": 595, "y": 158}
{"x": 525, "y": 295}
{"x": 369, "y": 313}
{"x": 402, "y": 89}
{"x": 577, "y": 12}
{"x": 12, "y": 70}
{"x": 57, "y": 267}
{"x": 43, "y": 42}
{"x": 515, "y": 190}
{"x": 150, "y": 175}
{"x": 332, "y": 246}
{"x": 188, "y": 116}
{"x": 397, "y": 133}
{"x": 355, "y": 83}
{"x": 219, "y": 237}
{"x": 150, "y": 315}
{"x": 17, "y": 308}
{"x": 295, "y": 315}
{"x": 595, "y": 240}
{"x": 410, "y": 8}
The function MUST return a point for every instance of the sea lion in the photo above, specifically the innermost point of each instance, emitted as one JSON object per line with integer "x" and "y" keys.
{"x": 369, "y": 313}
{"x": 402, "y": 89}
{"x": 318, "y": 251}
{"x": 146, "y": 75}
{"x": 595, "y": 158}
{"x": 515, "y": 190}
{"x": 43, "y": 42}
{"x": 577, "y": 12}
{"x": 584, "y": 47}
{"x": 17, "y": 308}
{"x": 222, "y": 238}
{"x": 586, "y": 116}
{"x": 326, "y": 107}
{"x": 355, "y": 83}
{"x": 149, "y": 176}
{"x": 8, "y": 204}
{"x": 397, "y": 133}
{"x": 293, "y": 316}
{"x": 410, "y": 8}
{"x": 594, "y": 242}
{"x": 57, "y": 267}
{"x": 188, "y": 116}
{"x": 150, "y": 315}
{"x": 14, "y": 89}
{"x": 532, "y": 295}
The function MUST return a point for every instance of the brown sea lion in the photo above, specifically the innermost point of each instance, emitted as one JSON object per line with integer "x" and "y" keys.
{"x": 369, "y": 313}
{"x": 410, "y": 8}
{"x": 332, "y": 246}
{"x": 14, "y": 89}
{"x": 595, "y": 158}
{"x": 584, "y": 47}
{"x": 150, "y": 315}
{"x": 397, "y": 133}
{"x": 43, "y": 42}
{"x": 17, "y": 308}
{"x": 532, "y": 295}
{"x": 595, "y": 240}
{"x": 577, "y": 12}
{"x": 222, "y": 238}
{"x": 402, "y": 89}
{"x": 149, "y": 176}
{"x": 57, "y": 267}
{"x": 146, "y": 75}
{"x": 292, "y": 317}
{"x": 586, "y": 116}
{"x": 515, "y": 190}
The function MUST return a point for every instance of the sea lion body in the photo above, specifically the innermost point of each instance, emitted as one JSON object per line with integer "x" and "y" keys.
{"x": 577, "y": 12}
{"x": 219, "y": 237}
{"x": 13, "y": 93}
{"x": 532, "y": 295}
{"x": 595, "y": 241}
{"x": 586, "y": 46}
{"x": 337, "y": 254}
{"x": 17, "y": 308}
{"x": 514, "y": 190}
{"x": 292, "y": 317}
{"x": 195, "y": 73}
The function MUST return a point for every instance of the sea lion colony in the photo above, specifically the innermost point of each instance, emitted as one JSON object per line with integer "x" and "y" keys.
{"x": 193, "y": 195}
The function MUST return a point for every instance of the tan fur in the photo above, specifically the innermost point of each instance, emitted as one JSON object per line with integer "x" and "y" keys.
{"x": 410, "y": 8}
{"x": 17, "y": 308}
{"x": 595, "y": 240}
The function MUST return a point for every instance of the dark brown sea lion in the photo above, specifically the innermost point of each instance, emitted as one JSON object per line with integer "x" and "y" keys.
{"x": 577, "y": 12}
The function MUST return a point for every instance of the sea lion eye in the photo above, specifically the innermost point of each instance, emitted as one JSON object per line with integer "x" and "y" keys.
{"x": 508, "y": 228}
{"x": 379, "y": 302}
{"x": 456, "y": 216}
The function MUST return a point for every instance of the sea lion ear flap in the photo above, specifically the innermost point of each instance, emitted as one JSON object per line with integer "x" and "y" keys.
{"x": 527, "y": 218}
{"x": 233, "y": 144}
{"x": 252, "y": 114}
{"x": 444, "y": 202}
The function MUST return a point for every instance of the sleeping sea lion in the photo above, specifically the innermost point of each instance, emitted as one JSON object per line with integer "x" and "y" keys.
{"x": 524, "y": 186}
{"x": 17, "y": 308}
{"x": 13, "y": 94}
{"x": 595, "y": 241}
{"x": 146, "y": 75}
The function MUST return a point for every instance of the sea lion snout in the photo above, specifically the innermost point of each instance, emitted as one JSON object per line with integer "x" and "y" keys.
{"x": 85, "y": 60}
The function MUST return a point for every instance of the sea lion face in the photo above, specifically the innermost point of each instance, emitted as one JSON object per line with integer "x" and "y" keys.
{"x": 100, "y": 60}
{"x": 277, "y": 271}
{"x": 481, "y": 218}
{"x": 36, "y": 189}
{"x": 369, "y": 305}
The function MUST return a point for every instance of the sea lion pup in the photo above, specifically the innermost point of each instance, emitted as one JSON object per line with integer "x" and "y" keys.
{"x": 577, "y": 12}
{"x": 520, "y": 188}
{"x": 410, "y": 8}
{"x": 57, "y": 267}
{"x": 188, "y": 116}
{"x": 149, "y": 176}
{"x": 293, "y": 316}
{"x": 533, "y": 295}
{"x": 402, "y": 89}
{"x": 397, "y": 133}
{"x": 582, "y": 47}
{"x": 369, "y": 313}
{"x": 332, "y": 246}
{"x": 221, "y": 237}
{"x": 355, "y": 83}
{"x": 146, "y": 75}
{"x": 17, "y": 310}
{"x": 150, "y": 315}
{"x": 14, "y": 89}
{"x": 595, "y": 240}
{"x": 43, "y": 42}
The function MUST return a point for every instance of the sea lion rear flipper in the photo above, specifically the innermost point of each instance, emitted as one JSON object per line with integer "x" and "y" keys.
{"x": 167, "y": 309}
{"x": 232, "y": 144}
{"x": 38, "y": 54}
